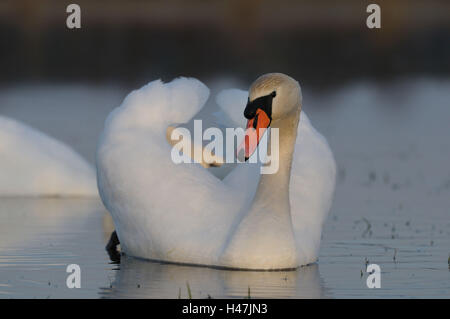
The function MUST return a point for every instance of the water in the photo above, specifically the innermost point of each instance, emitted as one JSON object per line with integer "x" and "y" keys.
{"x": 391, "y": 207}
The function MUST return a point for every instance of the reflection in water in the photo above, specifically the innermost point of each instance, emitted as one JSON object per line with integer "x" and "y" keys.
{"x": 138, "y": 278}
{"x": 40, "y": 236}
{"x": 23, "y": 220}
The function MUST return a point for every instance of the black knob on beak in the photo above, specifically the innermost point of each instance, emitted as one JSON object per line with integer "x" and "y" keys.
{"x": 263, "y": 102}
{"x": 250, "y": 110}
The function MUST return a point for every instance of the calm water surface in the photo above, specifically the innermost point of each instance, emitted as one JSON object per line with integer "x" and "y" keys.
{"x": 40, "y": 237}
{"x": 391, "y": 207}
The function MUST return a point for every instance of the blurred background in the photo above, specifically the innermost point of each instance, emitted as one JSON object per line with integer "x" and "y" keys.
{"x": 322, "y": 43}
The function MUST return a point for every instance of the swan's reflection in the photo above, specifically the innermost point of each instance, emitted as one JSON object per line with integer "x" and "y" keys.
{"x": 138, "y": 278}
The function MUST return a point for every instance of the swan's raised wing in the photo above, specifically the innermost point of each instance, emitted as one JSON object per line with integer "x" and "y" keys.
{"x": 311, "y": 188}
{"x": 227, "y": 112}
{"x": 162, "y": 209}
{"x": 201, "y": 150}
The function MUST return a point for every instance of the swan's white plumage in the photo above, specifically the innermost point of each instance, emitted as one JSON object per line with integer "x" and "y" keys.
{"x": 35, "y": 164}
{"x": 311, "y": 188}
{"x": 183, "y": 213}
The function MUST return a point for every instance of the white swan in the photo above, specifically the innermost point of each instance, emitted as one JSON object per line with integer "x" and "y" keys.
{"x": 35, "y": 164}
{"x": 184, "y": 214}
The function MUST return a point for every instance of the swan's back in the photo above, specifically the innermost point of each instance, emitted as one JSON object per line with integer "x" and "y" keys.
{"x": 35, "y": 164}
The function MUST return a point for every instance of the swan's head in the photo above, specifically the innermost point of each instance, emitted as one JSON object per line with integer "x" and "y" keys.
{"x": 272, "y": 96}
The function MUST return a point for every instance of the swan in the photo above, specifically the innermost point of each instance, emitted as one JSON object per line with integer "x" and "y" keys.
{"x": 183, "y": 213}
{"x": 35, "y": 164}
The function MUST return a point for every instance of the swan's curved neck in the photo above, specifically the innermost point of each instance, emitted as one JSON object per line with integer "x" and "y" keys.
{"x": 273, "y": 189}
{"x": 266, "y": 229}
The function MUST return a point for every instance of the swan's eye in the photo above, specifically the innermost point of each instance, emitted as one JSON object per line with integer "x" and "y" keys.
{"x": 273, "y": 94}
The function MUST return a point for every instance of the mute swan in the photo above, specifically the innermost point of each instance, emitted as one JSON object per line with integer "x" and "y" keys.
{"x": 184, "y": 214}
{"x": 35, "y": 164}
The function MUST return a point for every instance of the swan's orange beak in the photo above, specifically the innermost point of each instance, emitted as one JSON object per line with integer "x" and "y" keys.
{"x": 256, "y": 127}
